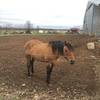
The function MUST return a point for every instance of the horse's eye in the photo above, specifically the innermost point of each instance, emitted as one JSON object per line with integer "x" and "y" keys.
{"x": 65, "y": 50}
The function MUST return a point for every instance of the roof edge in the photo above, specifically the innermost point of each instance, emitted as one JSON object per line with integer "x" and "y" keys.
{"x": 95, "y": 2}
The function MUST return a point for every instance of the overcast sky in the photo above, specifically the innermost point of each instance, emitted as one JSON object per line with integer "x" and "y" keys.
{"x": 43, "y": 12}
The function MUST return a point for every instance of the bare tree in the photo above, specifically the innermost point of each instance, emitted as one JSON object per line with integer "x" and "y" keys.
{"x": 28, "y": 27}
{"x": 7, "y": 27}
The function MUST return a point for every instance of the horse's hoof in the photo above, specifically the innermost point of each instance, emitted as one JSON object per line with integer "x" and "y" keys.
{"x": 29, "y": 76}
{"x": 49, "y": 85}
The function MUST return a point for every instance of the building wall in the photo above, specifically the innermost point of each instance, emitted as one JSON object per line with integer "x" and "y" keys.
{"x": 91, "y": 23}
{"x": 87, "y": 25}
{"x": 96, "y": 20}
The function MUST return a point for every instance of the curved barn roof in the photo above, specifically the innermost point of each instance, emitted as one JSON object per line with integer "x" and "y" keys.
{"x": 96, "y": 2}
{"x": 93, "y": 2}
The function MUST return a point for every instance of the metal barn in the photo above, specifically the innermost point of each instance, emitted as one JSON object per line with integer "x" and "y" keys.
{"x": 91, "y": 23}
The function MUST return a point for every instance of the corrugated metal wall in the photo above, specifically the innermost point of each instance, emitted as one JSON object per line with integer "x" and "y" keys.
{"x": 88, "y": 20}
{"x": 96, "y": 20}
{"x": 91, "y": 23}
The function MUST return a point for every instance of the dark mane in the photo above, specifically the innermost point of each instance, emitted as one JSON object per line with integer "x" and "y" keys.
{"x": 57, "y": 47}
{"x": 70, "y": 47}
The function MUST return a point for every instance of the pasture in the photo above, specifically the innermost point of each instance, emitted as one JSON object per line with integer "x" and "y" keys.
{"x": 80, "y": 81}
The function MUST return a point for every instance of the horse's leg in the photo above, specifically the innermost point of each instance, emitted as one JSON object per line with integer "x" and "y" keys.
{"x": 32, "y": 65}
{"x": 28, "y": 63}
{"x": 49, "y": 70}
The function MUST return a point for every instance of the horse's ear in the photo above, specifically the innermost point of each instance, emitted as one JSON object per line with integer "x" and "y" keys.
{"x": 65, "y": 42}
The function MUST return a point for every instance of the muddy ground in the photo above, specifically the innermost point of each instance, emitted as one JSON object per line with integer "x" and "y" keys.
{"x": 68, "y": 82}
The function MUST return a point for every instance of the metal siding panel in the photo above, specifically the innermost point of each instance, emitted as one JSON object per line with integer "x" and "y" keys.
{"x": 88, "y": 20}
{"x": 96, "y": 22}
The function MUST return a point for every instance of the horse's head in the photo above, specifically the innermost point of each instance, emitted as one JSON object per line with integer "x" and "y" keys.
{"x": 68, "y": 52}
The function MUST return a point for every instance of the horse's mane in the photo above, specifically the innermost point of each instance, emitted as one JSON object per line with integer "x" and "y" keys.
{"x": 57, "y": 47}
{"x": 70, "y": 47}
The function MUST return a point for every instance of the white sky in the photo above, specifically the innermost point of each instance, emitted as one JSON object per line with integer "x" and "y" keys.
{"x": 44, "y": 12}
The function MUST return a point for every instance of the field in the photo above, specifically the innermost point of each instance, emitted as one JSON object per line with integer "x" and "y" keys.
{"x": 68, "y": 82}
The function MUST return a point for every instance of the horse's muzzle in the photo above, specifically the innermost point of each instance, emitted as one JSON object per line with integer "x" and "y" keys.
{"x": 72, "y": 61}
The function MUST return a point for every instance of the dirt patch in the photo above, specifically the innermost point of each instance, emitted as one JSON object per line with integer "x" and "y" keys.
{"x": 68, "y": 82}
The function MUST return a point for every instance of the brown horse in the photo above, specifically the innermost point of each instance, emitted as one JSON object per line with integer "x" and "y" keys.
{"x": 47, "y": 52}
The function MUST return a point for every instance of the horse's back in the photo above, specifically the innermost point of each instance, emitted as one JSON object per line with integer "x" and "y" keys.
{"x": 42, "y": 48}
{"x": 31, "y": 43}
{"x": 42, "y": 52}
